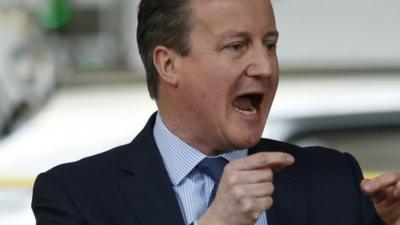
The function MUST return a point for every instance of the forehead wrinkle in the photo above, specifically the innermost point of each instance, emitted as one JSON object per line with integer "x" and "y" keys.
{"x": 233, "y": 34}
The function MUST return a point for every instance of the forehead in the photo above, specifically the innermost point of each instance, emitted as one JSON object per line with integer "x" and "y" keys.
{"x": 219, "y": 16}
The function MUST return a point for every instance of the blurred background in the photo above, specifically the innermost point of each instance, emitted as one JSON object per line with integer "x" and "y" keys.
{"x": 72, "y": 84}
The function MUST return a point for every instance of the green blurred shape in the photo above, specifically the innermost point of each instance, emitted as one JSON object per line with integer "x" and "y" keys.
{"x": 55, "y": 14}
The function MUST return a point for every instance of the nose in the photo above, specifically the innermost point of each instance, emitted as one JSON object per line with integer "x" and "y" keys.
{"x": 262, "y": 63}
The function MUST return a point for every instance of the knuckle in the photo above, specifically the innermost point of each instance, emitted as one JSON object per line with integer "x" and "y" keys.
{"x": 269, "y": 174}
{"x": 239, "y": 192}
{"x": 270, "y": 188}
{"x": 258, "y": 159}
{"x": 268, "y": 201}
{"x": 227, "y": 172}
{"x": 233, "y": 180}
{"x": 248, "y": 206}
{"x": 263, "y": 159}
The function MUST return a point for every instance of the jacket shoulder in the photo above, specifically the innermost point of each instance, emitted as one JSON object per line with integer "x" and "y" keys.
{"x": 93, "y": 166}
{"x": 310, "y": 158}
{"x": 274, "y": 145}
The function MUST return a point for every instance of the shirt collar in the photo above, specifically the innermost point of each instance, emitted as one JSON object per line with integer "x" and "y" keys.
{"x": 175, "y": 152}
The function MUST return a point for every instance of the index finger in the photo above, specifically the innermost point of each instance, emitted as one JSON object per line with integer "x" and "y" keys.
{"x": 374, "y": 186}
{"x": 273, "y": 160}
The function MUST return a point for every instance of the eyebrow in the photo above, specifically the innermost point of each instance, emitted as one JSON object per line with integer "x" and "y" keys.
{"x": 232, "y": 34}
{"x": 273, "y": 33}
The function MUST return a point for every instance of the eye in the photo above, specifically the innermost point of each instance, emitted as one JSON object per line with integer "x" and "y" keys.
{"x": 270, "y": 46}
{"x": 237, "y": 47}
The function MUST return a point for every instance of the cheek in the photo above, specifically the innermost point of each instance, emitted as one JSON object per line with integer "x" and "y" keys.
{"x": 217, "y": 88}
{"x": 213, "y": 82}
{"x": 210, "y": 81}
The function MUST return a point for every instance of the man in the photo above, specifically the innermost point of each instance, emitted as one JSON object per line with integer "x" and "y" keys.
{"x": 212, "y": 68}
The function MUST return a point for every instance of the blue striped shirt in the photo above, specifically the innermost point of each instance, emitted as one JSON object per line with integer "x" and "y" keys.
{"x": 191, "y": 186}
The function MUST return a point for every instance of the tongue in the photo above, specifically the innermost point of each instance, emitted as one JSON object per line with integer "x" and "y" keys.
{"x": 243, "y": 103}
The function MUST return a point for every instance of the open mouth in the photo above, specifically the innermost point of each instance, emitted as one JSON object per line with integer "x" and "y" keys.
{"x": 247, "y": 104}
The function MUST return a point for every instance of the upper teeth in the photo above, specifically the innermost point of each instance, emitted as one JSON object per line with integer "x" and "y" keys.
{"x": 251, "y": 111}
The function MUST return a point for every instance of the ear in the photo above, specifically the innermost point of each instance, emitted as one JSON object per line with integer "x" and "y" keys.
{"x": 164, "y": 60}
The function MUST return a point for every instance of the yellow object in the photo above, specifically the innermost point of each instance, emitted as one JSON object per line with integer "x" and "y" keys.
{"x": 372, "y": 174}
{"x": 16, "y": 182}
{"x": 28, "y": 182}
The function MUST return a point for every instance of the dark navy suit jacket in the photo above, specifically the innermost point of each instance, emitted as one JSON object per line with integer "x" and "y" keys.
{"x": 129, "y": 185}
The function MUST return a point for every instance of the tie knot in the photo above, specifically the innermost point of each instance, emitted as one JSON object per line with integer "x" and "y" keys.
{"x": 213, "y": 167}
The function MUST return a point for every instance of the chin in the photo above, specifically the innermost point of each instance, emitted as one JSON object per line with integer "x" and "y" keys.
{"x": 247, "y": 142}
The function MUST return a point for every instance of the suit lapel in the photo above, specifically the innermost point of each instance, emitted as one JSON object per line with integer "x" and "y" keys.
{"x": 148, "y": 188}
{"x": 290, "y": 198}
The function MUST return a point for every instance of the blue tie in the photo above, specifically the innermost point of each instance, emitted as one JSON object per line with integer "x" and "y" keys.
{"x": 213, "y": 167}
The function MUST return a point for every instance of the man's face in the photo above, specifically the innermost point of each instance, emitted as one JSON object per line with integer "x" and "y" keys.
{"x": 228, "y": 81}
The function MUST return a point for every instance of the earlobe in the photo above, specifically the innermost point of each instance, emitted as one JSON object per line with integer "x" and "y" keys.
{"x": 164, "y": 61}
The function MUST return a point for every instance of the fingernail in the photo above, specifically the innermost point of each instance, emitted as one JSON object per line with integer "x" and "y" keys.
{"x": 289, "y": 160}
{"x": 368, "y": 186}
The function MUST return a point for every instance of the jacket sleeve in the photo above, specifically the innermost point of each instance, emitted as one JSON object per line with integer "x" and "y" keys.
{"x": 52, "y": 204}
{"x": 369, "y": 214}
